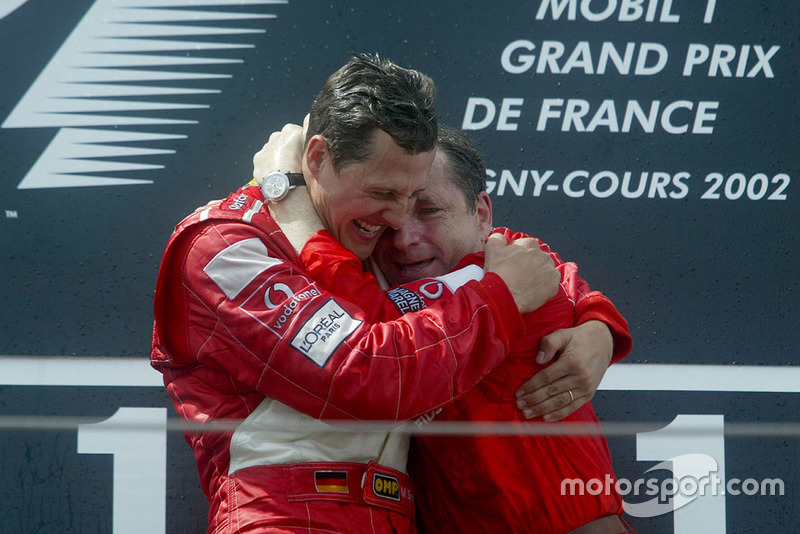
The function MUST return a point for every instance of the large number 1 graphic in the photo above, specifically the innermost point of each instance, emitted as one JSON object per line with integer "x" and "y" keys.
{"x": 695, "y": 447}
{"x": 137, "y": 438}
{"x": 691, "y": 446}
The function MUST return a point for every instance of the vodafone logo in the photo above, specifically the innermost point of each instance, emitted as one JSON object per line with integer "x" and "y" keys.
{"x": 433, "y": 289}
{"x": 279, "y": 288}
{"x": 124, "y": 75}
{"x": 238, "y": 202}
{"x": 281, "y": 295}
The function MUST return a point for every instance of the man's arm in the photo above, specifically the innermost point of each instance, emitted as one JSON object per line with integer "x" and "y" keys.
{"x": 584, "y": 352}
{"x": 583, "y": 356}
{"x": 295, "y": 214}
{"x": 234, "y": 305}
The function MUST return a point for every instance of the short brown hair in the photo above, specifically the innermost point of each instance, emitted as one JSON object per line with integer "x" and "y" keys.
{"x": 370, "y": 93}
{"x": 465, "y": 163}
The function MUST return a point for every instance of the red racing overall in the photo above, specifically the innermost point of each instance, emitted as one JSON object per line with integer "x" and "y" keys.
{"x": 242, "y": 334}
{"x": 495, "y": 483}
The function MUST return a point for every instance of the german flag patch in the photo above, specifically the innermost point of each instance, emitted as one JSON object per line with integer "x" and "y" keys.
{"x": 331, "y": 481}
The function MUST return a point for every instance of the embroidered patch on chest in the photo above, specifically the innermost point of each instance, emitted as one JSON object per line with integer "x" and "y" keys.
{"x": 324, "y": 331}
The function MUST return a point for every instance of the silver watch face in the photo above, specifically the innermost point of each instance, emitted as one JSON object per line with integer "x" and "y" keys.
{"x": 275, "y": 186}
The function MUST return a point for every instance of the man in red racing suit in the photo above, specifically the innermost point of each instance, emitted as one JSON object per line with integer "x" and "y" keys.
{"x": 493, "y": 483}
{"x": 242, "y": 333}
{"x": 244, "y": 336}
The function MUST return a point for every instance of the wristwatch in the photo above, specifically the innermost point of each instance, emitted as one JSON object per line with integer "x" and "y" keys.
{"x": 276, "y": 184}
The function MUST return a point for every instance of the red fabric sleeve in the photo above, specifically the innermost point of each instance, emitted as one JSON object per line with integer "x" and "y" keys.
{"x": 339, "y": 270}
{"x": 589, "y": 305}
{"x": 245, "y": 318}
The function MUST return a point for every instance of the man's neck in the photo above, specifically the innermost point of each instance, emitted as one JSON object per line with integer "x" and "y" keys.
{"x": 372, "y": 267}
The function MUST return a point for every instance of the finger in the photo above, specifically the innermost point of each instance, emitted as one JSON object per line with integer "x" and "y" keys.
{"x": 492, "y": 249}
{"x": 551, "y": 345}
{"x": 525, "y": 242}
{"x": 495, "y": 241}
{"x": 291, "y": 134}
{"x": 558, "y": 397}
{"x": 554, "y": 404}
{"x": 540, "y": 386}
{"x": 571, "y": 408}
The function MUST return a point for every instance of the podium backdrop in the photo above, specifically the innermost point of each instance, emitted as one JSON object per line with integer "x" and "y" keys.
{"x": 652, "y": 142}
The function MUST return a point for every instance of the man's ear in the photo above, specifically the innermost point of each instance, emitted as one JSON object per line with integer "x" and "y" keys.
{"x": 316, "y": 156}
{"x": 483, "y": 213}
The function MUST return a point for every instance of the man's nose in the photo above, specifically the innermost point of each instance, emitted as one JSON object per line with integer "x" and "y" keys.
{"x": 396, "y": 213}
{"x": 406, "y": 235}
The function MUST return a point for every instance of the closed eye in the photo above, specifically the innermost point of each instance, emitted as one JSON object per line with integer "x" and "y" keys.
{"x": 428, "y": 212}
{"x": 382, "y": 195}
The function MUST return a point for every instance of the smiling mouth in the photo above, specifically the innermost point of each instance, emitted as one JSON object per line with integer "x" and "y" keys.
{"x": 366, "y": 229}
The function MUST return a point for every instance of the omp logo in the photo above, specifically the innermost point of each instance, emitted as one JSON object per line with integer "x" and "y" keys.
{"x": 115, "y": 74}
{"x": 386, "y": 487}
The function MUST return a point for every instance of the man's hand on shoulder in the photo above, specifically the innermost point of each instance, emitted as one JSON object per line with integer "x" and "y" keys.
{"x": 282, "y": 152}
{"x": 295, "y": 214}
{"x": 583, "y": 355}
{"x": 527, "y": 270}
